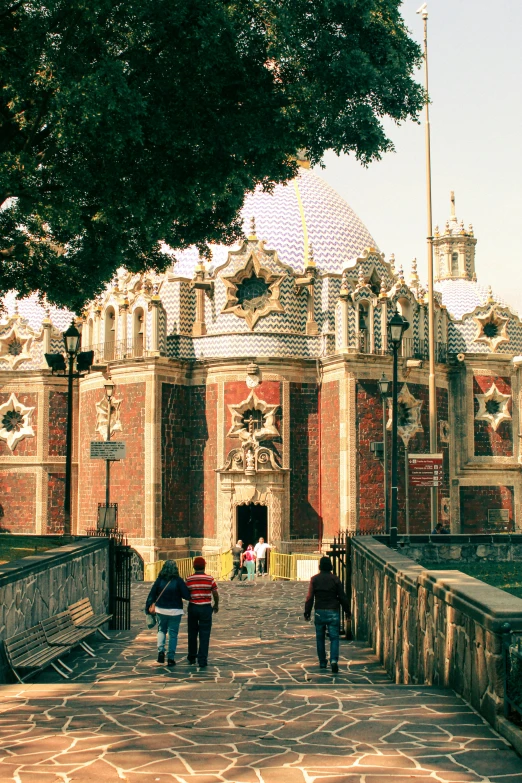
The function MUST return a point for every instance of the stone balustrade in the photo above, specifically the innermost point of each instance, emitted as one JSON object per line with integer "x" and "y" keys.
{"x": 439, "y": 628}
{"x": 37, "y": 587}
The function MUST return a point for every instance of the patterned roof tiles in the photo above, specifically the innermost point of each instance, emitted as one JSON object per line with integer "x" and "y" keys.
{"x": 33, "y": 311}
{"x": 306, "y": 209}
{"x": 463, "y": 296}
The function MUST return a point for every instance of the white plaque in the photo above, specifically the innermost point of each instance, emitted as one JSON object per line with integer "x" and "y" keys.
{"x": 108, "y": 449}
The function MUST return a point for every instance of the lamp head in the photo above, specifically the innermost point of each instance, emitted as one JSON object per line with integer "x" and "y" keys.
{"x": 109, "y": 387}
{"x": 396, "y": 328}
{"x": 71, "y": 339}
{"x": 384, "y": 385}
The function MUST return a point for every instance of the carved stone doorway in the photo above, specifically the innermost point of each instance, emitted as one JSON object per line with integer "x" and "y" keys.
{"x": 252, "y": 523}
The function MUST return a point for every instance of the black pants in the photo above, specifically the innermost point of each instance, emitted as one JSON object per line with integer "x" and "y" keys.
{"x": 236, "y": 570}
{"x": 199, "y": 623}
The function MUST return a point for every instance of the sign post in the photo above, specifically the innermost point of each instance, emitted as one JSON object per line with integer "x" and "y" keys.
{"x": 425, "y": 470}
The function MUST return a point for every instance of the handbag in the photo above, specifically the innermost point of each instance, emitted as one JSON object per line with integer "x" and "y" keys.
{"x": 150, "y": 616}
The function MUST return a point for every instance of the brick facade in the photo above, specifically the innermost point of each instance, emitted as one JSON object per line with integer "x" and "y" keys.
{"x": 330, "y": 458}
{"x": 57, "y": 423}
{"x": 304, "y": 461}
{"x": 488, "y": 442}
{"x": 55, "y": 502}
{"x": 128, "y": 476}
{"x": 370, "y": 470}
{"x": 209, "y": 424}
{"x": 175, "y": 460}
{"x": 17, "y": 501}
{"x": 475, "y": 503}
{"x": 28, "y": 447}
{"x": 198, "y": 441}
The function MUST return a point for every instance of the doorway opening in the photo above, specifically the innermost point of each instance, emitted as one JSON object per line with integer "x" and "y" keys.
{"x": 252, "y": 523}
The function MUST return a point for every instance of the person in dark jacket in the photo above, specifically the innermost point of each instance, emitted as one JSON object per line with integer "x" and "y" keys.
{"x": 167, "y": 595}
{"x": 327, "y": 594}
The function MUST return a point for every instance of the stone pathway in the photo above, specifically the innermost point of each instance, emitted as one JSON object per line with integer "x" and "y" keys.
{"x": 262, "y": 712}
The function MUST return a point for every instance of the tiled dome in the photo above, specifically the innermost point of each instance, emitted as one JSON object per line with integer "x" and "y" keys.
{"x": 305, "y": 209}
{"x": 463, "y": 296}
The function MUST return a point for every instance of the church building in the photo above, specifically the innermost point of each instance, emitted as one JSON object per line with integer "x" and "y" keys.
{"x": 246, "y": 390}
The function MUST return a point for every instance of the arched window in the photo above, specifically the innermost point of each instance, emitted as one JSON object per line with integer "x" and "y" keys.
{"x": 109, "y": 333}
{"x": 454, "y": 263}
{"x": 363, "y": 327}
{"x": 138, "y": 331}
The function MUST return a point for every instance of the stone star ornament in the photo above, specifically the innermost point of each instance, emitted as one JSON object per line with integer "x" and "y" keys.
{"x": 15, "y": 422}
{"x": 493, "y": 407}
{"x": 240, "y": 427}
{"x": 102, "y": 411}
{"x": 491, "y": 329}
{"x": 409, "y": 419}
{"x": 15, "y": 346}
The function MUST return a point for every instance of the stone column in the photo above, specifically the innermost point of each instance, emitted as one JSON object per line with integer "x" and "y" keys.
{"x": 276, "y": 515}
{"x": 155, "y": 338}
{"x": 123, "y": 311}
{"x": 225, "y": 531}
{"x": 311, "y": 324}
{"x": 47, "y": 328}
{"x": 199, "y": 327}
{"x": 344, "y": 294}
{"x": 383, "y": 301}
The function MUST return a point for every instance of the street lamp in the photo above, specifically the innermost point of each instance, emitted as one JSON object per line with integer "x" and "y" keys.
{"x": 396, "y": 328}
{"x": 56, "y": 361}
{"x": 384, "y": 388}
{"x": 109, "y": 389}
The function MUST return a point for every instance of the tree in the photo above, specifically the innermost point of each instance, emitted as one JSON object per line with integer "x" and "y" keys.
{"x": 125, "y": 124}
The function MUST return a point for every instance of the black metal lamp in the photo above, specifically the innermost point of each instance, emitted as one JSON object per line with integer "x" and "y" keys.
{"x": 384, "y": 385}
{"x": 109, "y": 387}
{"x": 71, "y": 339}
{"x": 396, "y": 328}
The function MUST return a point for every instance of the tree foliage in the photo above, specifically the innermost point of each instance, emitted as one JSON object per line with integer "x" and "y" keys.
{"x": 125, "y": 124}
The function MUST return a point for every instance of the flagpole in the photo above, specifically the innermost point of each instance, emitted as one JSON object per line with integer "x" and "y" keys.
{"x": 432, "y": 387}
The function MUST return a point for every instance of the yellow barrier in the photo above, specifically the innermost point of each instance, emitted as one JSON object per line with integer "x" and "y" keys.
{"x": 286, "y": 566}
{"x": 218, "y": 565}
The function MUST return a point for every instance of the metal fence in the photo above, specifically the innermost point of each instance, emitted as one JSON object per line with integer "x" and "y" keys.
{"x": 294, "y": 567}
{"x": 512, "y": 673}
{"x": 118, "y": 349}
{"x": 217, "y": 565}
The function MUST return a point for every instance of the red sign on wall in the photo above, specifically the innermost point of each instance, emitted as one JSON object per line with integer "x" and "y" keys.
{"x": 425, "y": 470}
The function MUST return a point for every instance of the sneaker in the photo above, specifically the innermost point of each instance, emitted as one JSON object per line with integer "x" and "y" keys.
{"x": 192, "y": 661}
{"x": 202, "y": 665}
{"x": 323, "y": 664}
{"x": 335, "y": 667}
{"x": 161, "y": 657}
{"x": 171, "y": 662}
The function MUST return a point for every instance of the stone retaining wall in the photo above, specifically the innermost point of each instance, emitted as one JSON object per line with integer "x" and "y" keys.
{"x": 476, "y": 548}
{"x": 40, "y": 586}
{"x": 440, "y": 628}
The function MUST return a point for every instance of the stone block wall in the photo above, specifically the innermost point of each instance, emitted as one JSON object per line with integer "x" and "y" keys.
{"x": 175, "y": 460}
{"x": 439, "y": 628}
{"x": 40, "y": 586}
{"x": 462, "y": 548}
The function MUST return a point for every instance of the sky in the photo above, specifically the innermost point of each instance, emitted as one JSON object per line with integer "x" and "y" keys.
{"x": 475, "y": 71}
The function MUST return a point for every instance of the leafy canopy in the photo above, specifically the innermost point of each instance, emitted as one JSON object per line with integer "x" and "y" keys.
{"x": 125, "y": 124}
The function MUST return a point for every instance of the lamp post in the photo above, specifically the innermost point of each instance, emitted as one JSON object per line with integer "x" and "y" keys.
{"x": 384, "y": 388}
{"x": 57, "y": 363}
{"x": 109, "y": 389}
{"x": 396, "y": 328}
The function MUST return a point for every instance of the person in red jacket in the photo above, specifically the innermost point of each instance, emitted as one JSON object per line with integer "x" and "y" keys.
{"x": 327, "y": 594}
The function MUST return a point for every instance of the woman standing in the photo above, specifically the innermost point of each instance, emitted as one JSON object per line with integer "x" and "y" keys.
{"x": 166, "y": 601}
{"x": 249, "y": 559}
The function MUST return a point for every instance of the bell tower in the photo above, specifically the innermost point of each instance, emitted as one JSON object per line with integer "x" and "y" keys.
{"x": 454, "y": 249}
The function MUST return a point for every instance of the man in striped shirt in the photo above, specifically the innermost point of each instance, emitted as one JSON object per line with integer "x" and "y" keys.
{"x": 202, "y": 588}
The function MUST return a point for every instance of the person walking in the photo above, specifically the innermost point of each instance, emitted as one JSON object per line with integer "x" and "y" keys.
{"x": 202, "y": 588}
{"x": 165, "y": 600}
{"x": 260, "y": 553}
{"x": 237, "y": 552}
{"x": 249, "y": 559}
{"x": 326, "y": 593}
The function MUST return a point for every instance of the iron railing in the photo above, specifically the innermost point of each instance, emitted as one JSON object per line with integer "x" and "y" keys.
{"x": 411, "y": 348}
{"x": 117, "y": 349}
{"x": 512, "y": 672}
{"x": 218, "y": 565}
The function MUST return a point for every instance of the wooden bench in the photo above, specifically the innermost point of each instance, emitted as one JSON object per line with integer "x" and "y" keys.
{"x": 30, "y": 651}
{"x": 60, "y": 630}
{"x": 83, "y": 616}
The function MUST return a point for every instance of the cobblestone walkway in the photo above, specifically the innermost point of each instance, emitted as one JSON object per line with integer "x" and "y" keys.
{"x": 263, "y": 712}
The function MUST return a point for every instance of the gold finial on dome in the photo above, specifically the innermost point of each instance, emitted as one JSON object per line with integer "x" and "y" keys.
{"x": 302, "y": 159}
{"x": 414, "y": 277}
{"x": 392, "y": 263}
{"x": 384, "y": 291}
{"x": 310, "y": 260}
{"x": 452, "y": 202}
{"x": 470, "y": 230}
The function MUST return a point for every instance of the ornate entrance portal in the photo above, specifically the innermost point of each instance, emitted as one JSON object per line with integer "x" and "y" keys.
{"x": 252, "y": 523}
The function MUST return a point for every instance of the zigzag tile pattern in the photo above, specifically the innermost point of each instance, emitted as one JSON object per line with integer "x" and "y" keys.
{"x": 249, "y": 344}
{"x": 463, "y": 296}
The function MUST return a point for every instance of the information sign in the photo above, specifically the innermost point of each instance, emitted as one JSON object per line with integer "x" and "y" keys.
{"x": 425, "y": 470}
{"x": 108, "y": 449}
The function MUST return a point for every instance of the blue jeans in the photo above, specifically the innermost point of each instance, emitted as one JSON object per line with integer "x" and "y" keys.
{"x": 327, "y": 618}
{"x": 167, "y": 622}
